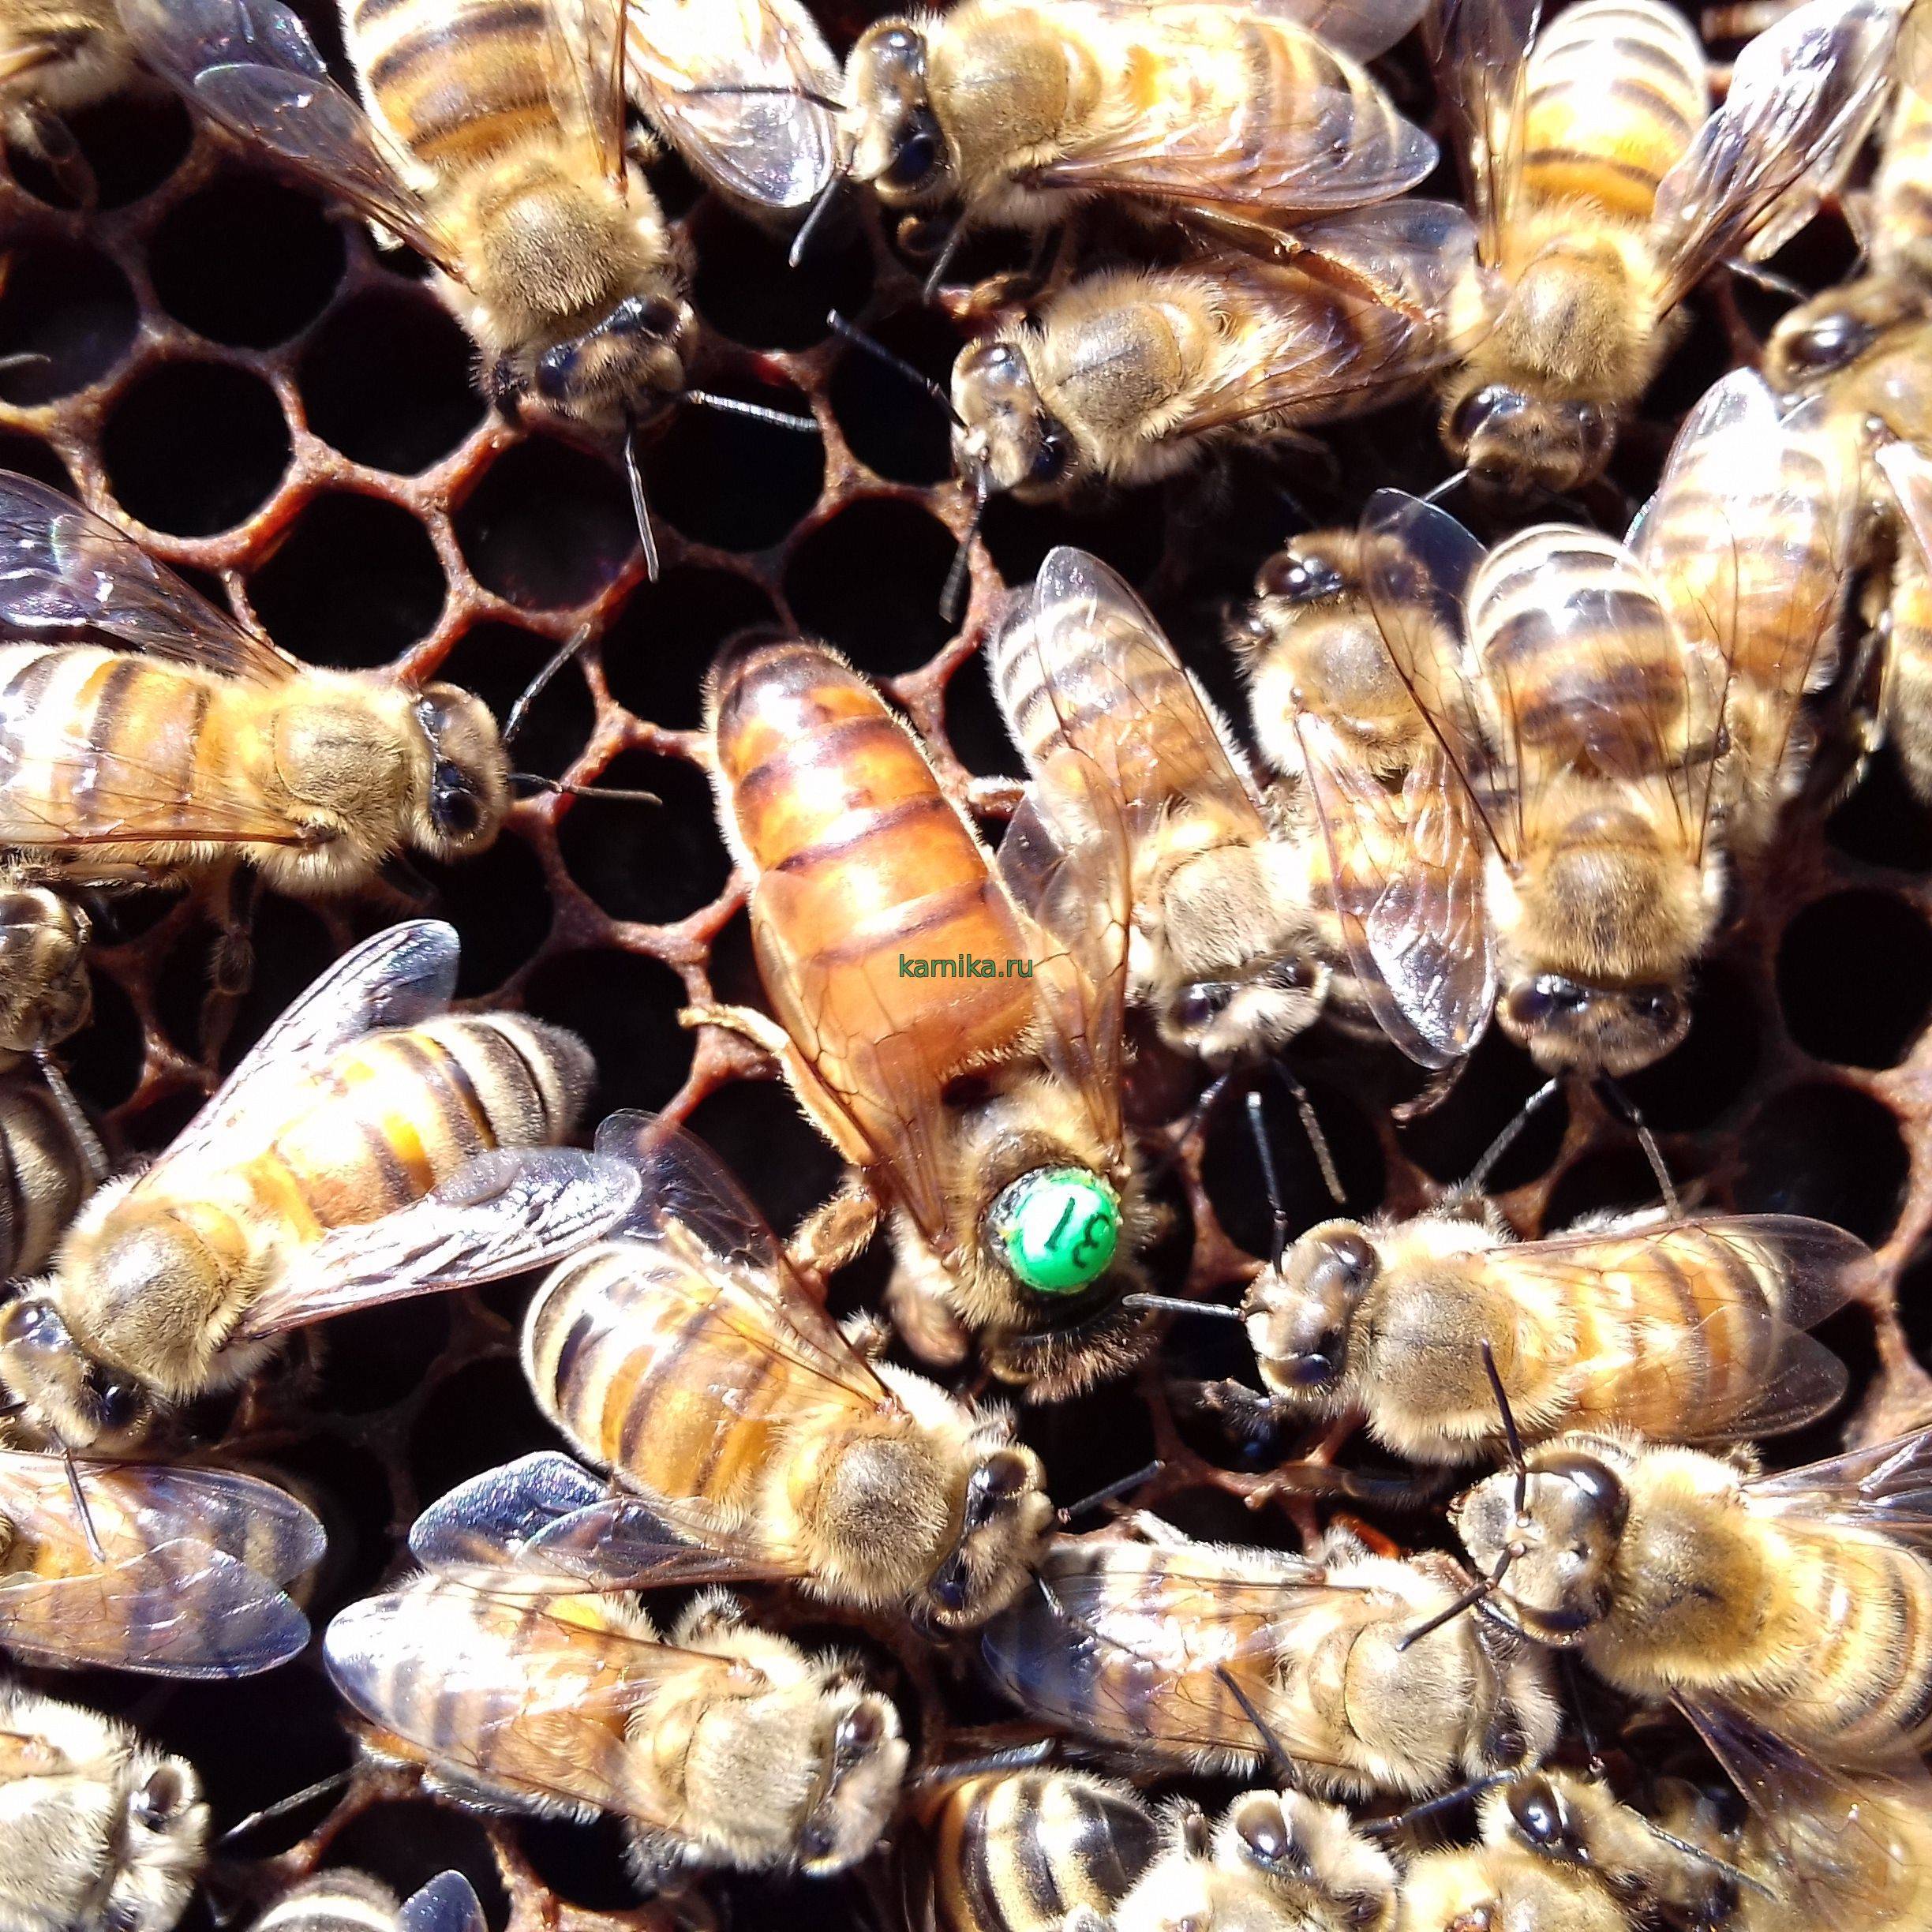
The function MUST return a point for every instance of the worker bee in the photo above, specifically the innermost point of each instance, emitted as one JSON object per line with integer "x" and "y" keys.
{"x": 99, "y": 1832}
{"x": 724, "y": 1746}
{"x": 351, "y": 1901}
{"x": 1354, "y": 1668}
{"x": 371, "y": 1146}
{"x": 198, "y": 743}
{"x": 128, "y": 1566}
{"x": 1129, "y": 376}
{"x": 1689, "y": 1331}
{"x": 56, "y": 56}
{"x": 684, "y": 1354}
{"x": 954, "y": 1031}
{"x": 1605, "y": 193}
{"x": 1016, "y": 112}
{"x": 1796, "y": 1599}
{"x": 46, "y": 1172}
{"x": 44, "y": 995}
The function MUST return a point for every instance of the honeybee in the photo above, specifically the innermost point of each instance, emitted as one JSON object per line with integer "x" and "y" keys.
{"x": 1621, "y": 715}
{"x": 198, "y": 743}
{"x": 99, "y": 1832}
{"x": 371, "y": 1146}
{"x": 351, "y": 1901}
{"x": 983, "y": 1105}
{"x": 1177, "y": 1653}
{"x": 44, "y": 995}
{"x": 1796, "y": 1599}
{"x": 173, "y": 1572}
{"x": 1016, "y": 112}
{"x": 1129, "y": 376}
{"x": 1689, "y": 1331}
{"x": 752, "y": 1438}
{"x": 1605, "y": 193}
{"x": 45, "y": 1173}
{"x": 724, "y": 1746}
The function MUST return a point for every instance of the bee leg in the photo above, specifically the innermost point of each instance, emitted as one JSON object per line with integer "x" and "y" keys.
{"x": 765, "y": 1034}
{"x": 716, "y": 1613}
{"x": 836, "y": 1232}
{"x": 48, "y": 137}
{"x": 1252, "y": 1418}
{"x": 918, "y": 1297}
{"x": 870, "y": 1336}
{"x": 657, "y": 1860}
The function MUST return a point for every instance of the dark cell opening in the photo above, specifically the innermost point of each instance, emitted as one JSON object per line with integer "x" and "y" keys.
{"x": 483, "y": 1415}
{"x": 1708, "y": 1074}
{"x": 104, "y": 1059}
{"x": 1088, "y": 1445}
{"x": 499, "y": 662}
{"x": 648, "y": 863}
{"x": 974, "y": 728}
{"x": 1874, "y": 1022}
{"x": 731, "y": 481}
{"x": 354, "y": 583}
{"x": 193, "y": 448}
{"x": 381, "y": 1355}
{"x": 582, "y": 1863}
{"x": 28, "y": 456}
{"x": 893, "y": 427}
{"x": 347, "y": 1486}
{"x": 625, "y": 1008}
{"x": 781, "y": 1160}
{"x": 291, "y": 947}
{"x": 1826, "y": 1150}
{"x": 1611, "y": 1179}
{"x": 1882, "y": 821}
{"x": 386, "y": 381}
{"x": 246, "y": 261}
{"x": 548, "y": 526}
{"x": 69, "y": 313}
{"x": 656, "y": 652}
{"x": 130, "y": 143}
{"x": 499, "y": 901}
{"x": 1489, "y": 1094}
{"x": 406, "y": 1845}
{"x": 745, "y": 290}
{"x": 1128, "y": 531}
{"x": 1915, "y": 1307}
{"x": 870, "y": 582}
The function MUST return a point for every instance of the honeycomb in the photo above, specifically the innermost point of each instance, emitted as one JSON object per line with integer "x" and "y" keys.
{"x": 289, "y": 418}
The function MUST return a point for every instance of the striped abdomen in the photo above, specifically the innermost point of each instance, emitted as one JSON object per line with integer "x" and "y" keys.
{"x": 43, "y": 1176}
{"x": 1018, "y": 1852}
{"x": 1900, "y": 217}
{"x": 1617, "y": 90}
{"x": 334, "y": 1901}
{"x": 861, "y": 861}
{"x": 646, "y": 1383}
{"x": 456, "y": 80}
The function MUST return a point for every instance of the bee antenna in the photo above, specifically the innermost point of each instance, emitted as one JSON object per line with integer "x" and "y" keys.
{"x": 1446, "y": 488}
{"x": 850, "y": 332}
{"x": 1479, "y": 1174}
{"x": 80, "y": 1505}
{"x": 1311, "y": 1126}
{"x": 640, "y": 505}
{"x": 1122, "y": 1486}
{"x": 80, "y": 1129}
{"x": 732, "y": 405}
{"x": 1015, "y": 1757}
{"x": 615, "y": 793}
{"x": 534, "y": 689}
{"x": 1509, "y": 1424}
{"x": 1278, "y": 1756}
{"x": 1647, "y": 1141}
{"x": 1709, "y": 1857}
{"x": 283, "y": 1806}
{"x": 783, "y": 93}
{"x": 815, "y": 214}
{"x": 1468, "y": 1600}
{"x": 1055, "y": 1607}
{"x": 1428, "y": 1808}
{"x": 1178, "y": 1304}
{"x": 1257, "y": 1123}
{"x": 950, "y": 248}
{"x": 952, "y": 596}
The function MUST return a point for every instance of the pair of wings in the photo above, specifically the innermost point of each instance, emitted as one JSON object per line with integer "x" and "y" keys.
{"x": 191, "y": 1580}
{"x": 1803, "y": 94}
{"x": 1740, "y": 557}
{"x": 706, "y": 1247}
{"x": 502, "y": 1213}
{"x": 250, "y": 67}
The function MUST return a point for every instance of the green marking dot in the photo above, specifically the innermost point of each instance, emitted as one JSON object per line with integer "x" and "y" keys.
{"x": 1057, "y": 1228}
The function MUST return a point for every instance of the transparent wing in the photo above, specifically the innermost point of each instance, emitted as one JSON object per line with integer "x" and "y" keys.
{"x": 1887, "y": 1487}
{"x": 581, "y": 49}
{"x": 61, "y": 568}
{"x": 777, "y": 147}
{"x": 404, "y": 973}
{"x": 545, "y": 1524}
{"x": 502, "y": 1213}
{"x": 1800, "y": 92}
{"x": 1480, "y": 49}
{"x": 1362, "y": 28}
{"x": 1909, "y": 472}
{"x": 250, "y": 68}
{"x": 448, "y": 1903}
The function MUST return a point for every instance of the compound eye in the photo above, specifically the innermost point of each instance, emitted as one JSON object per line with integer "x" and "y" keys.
{"x": 1830, "y": 344}
{"x": 162, "y": 1797}
{"x": 1538, "y": 1813}
{"x": 1050, "y": 462}
{"x": 861, "y": 1731}
{"x": 1200, "y": 1006}
{"x": 1263, "y": 1827}
{"x": 1656, "y": 1006}
{"x": 916, "y": 158}
{"x": 1474, "y": 411}
{"x": 655, "y": 316}
{"x": 454, "y": 808}
{"x": 117, "y": 1403}
{"x": 34, "y": 1324}
{"x": 555, "y": 368}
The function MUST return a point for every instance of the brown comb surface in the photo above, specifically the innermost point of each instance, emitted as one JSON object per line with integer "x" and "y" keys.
{"x": 275, "y": 407}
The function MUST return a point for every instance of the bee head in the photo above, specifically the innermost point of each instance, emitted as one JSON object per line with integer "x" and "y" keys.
{"x": 1551, "y": 1535}
{"x": 1568, "y": 1027}
{"x": 864, "y": 1762}
{"x": 1834, "y": 331}
{"x": 1003, "y": 1516}
{"x": 1517, "y": 442}
{"x": 1301, "y": 1849}
{"x": 899, "y": 146}
{"x": 65, "y": 1394}
{"x": 1242, "y": 1019}
{"x": 464, "y": 791}
{"x": 1298, "y": 1314}
{"x": 163, "y": 1835}
{"x": 1006, "y": 438}
{"x": 625, "y": 368}
{"x": 44, "y": 990}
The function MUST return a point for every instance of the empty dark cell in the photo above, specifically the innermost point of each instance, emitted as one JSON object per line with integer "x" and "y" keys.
{"x": 291, "y": 947}
{"x": 1710, "y": 1071}
{"x": 870, "y": 582}
{"x": 652, "y": 863}
{"x": 386, "y": 381}
{"x": 626, "y": 1009}
{"x": 1882, "y": 821}
{"x": 132, "y": 143}
{"x": 151, "y": 1127}
{"x": 783, "y": 1163}
{"x": 582, "y": 1863}
{"x": 1871, "y": 1023}
{"x": 500, "y": 662}
{"x": 1231, "y": 1166}
{"x": 894, "y": 427}
{"x": 406, "y": 1845}
{"x": 354, "y": 583}
{"x": 69, "y": 308}
{"x": 731, "y": 481}
{"x": 193, "y": 448}
{"x": 745, "y": 290}
{"x": 483, "y": 1415}
{"x": 28, "y": 456}
{"x": 974, "y": 728}
{"x": 1486, "y": 1097}
{"x": 1915, "y": 1306}
{"x": 1609, "y": 1179}
{"x": 1827, "y": 1151}
{"x": 104, "y": 1059}
{"x": 1086, "y": 1445}
{"x": 676, "y": 189}
{"x": 379, "y": 1355}
{"x": 348, "y": 1487}
{"x": 548, "y": 526}
{"x": 656, "y": 653}
{"x": 1128, "y": 531}
{"x": 499, "y": 901}
{"x": 246, "y": 261}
